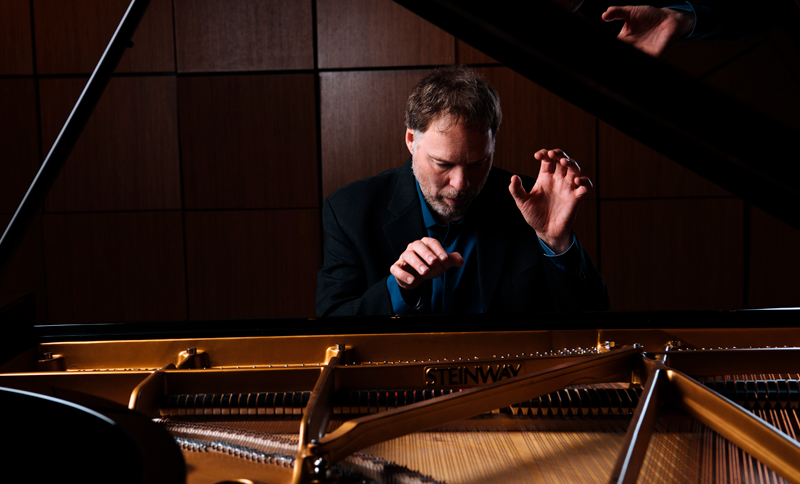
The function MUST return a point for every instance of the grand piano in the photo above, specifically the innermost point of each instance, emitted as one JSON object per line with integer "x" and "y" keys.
{"x": 707, "y": 396}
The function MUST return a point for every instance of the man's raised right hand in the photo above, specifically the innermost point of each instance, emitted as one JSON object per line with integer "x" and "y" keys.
{"x": 423, "y": 260}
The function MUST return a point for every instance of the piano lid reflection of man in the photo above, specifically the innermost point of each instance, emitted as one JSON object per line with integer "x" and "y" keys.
{"x": 446, "y": 232}
{"x": 655, "y": 27}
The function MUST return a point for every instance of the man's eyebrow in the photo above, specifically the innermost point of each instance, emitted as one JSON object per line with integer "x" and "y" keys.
{"x": 439, "y": 160}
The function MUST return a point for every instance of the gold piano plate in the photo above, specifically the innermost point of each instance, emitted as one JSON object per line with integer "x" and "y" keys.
{"x": 483, "y": 406}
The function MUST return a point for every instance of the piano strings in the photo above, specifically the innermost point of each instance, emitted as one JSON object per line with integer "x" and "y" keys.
{"x": 543, "y": 441}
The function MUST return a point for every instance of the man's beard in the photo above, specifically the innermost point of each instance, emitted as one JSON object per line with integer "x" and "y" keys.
{"x": 437, "y": 203}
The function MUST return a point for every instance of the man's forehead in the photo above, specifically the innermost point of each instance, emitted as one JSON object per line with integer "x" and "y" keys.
{"x": 449, "y": 124}
{"x": 450, "y": 145}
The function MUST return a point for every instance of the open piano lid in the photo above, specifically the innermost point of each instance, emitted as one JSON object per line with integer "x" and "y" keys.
{"x": 736, "y": 147}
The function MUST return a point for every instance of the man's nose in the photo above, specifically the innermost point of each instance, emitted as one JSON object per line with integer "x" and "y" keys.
{"x": 459, "y": 179}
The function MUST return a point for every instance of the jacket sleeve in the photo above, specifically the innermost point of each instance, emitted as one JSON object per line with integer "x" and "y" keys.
{"x": 342, "y": 287}
{"x": 578, "y": 288}
{"x": 731, "y": 19}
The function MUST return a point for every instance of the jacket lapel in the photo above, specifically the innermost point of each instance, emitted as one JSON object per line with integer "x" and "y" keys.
{"x": 493, "y": 235}
{"x": 407, "y": 225}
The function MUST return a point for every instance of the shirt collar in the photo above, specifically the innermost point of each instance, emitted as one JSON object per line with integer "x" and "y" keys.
{"x": 427, "y": 216}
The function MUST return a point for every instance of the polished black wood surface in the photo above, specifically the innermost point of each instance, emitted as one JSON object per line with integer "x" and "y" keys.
{"x": 617, "y": 84}
{"x": 785, "y": 318}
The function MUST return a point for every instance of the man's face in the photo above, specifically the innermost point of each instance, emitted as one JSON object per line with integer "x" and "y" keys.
{"x": 451, "y": 164}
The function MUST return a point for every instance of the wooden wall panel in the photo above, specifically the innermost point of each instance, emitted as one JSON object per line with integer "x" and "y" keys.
{"x": 19, "y": 141}
{"x": 249, "y": 141}
{"x": 362, "y": 123}
{"x": 761, "y": 80}
{"x": 115, "y": 267}
{"x": 466, "y": 54}
{"x": 371, "y": 33}
{"x": 629, "y": 169}
{"x": 774, "y": 262}
{"x": 127, "y": 156}
{"x": 26, "y": 271}
{"x": 533, "y": 119}
{"x": 16, "y": 55}
{"x": 71, "y": 35}
{"x": 243, "y": 35}
{"x": 673, "y": 254}
{"x": 252, "y": 264}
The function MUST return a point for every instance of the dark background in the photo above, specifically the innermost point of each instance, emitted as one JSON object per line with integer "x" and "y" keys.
{"x": 194, "y": 192}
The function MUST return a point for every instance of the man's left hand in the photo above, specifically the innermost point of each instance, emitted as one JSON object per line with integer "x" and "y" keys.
{"x": 552, "y": 204}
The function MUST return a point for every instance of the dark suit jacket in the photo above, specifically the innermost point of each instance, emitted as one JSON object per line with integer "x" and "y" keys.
{"x": 369, "y": 223}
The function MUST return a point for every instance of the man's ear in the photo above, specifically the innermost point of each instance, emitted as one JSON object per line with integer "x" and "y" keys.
{"x": 410, "y": 140}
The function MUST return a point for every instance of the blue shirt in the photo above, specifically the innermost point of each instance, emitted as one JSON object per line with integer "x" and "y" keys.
{"x": 457, "y": 290}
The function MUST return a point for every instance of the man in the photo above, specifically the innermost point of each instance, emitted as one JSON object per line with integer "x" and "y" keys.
{"x": 446, "y": 233}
